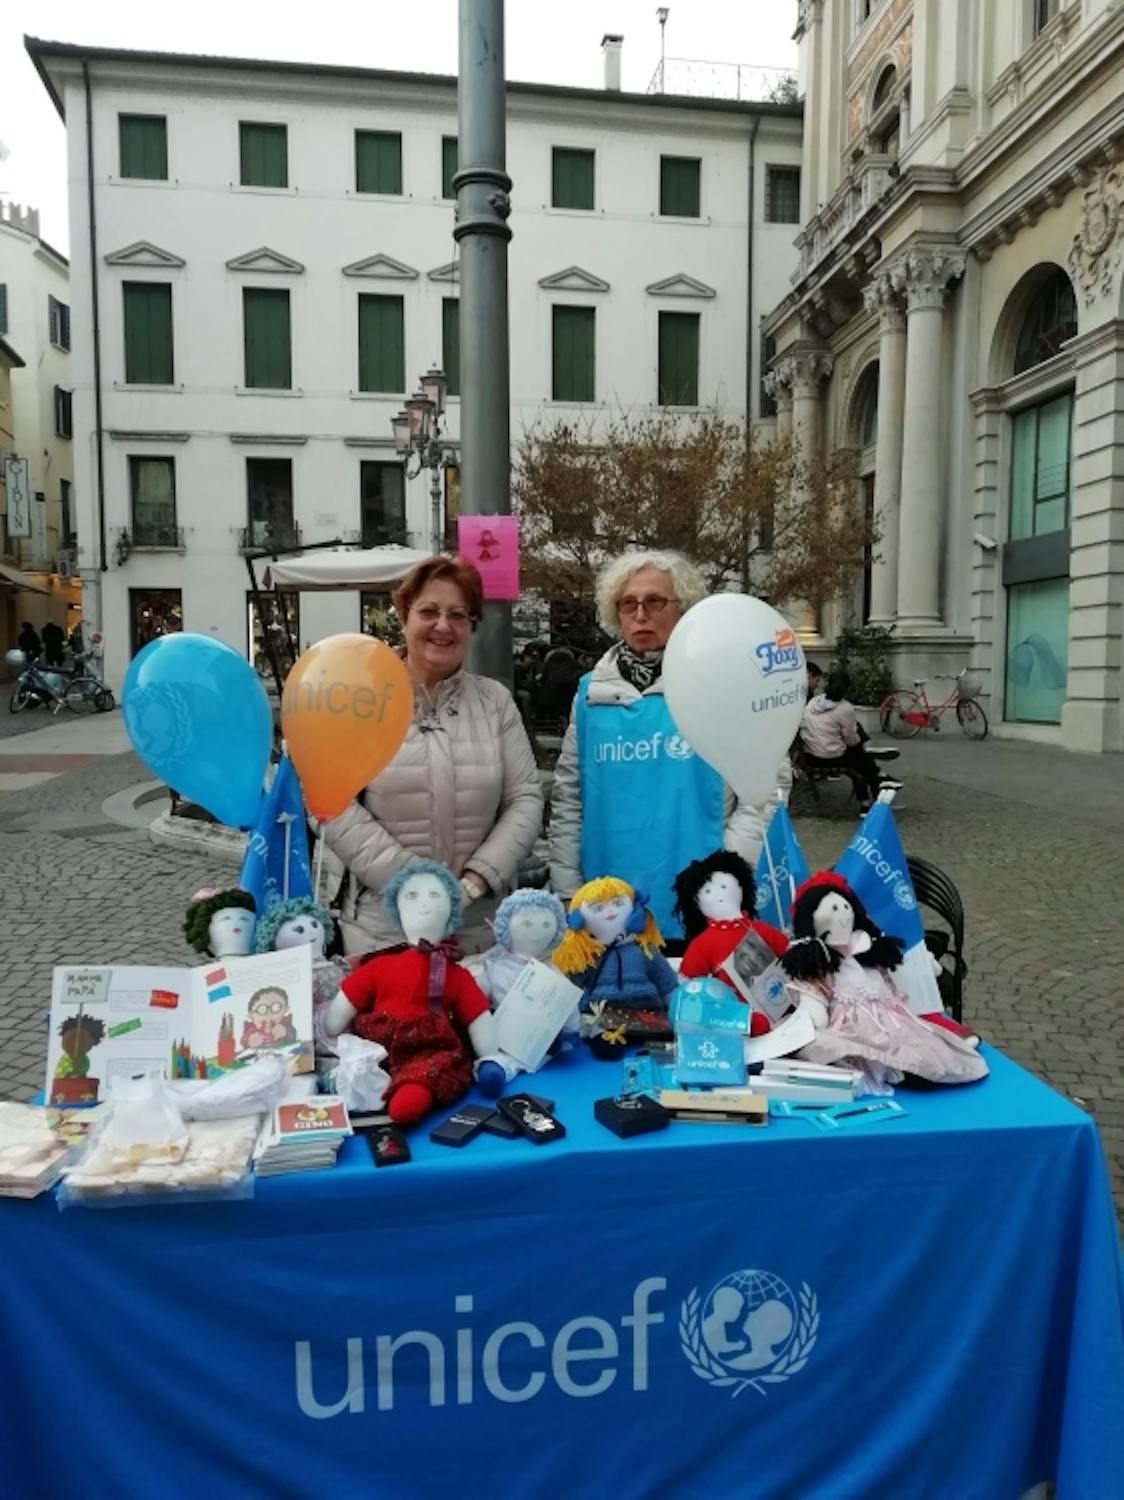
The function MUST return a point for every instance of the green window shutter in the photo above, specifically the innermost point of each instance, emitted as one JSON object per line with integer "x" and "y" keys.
{"x": 3, "y": 307}
{"x": 264, "y": 151}
{"x": 449, "y": 154}
{"x": 574, "y": 365}
{"x": 571, "y": 178}
{"x": 679, "y": 186}
{"x": 382, "y": 343}
{"x": 378, "y": 161}
{"x": 144, "y": 146}
{"x": 679, "y": 359}
{"x": 148, "y": 333}
{"x": 265, "y": 322}
{"x": 451, "y": 343}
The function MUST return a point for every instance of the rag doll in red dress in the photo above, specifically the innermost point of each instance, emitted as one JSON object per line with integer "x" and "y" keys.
{"x": 420, "y": 1004}
{"x": 716, "y": 901}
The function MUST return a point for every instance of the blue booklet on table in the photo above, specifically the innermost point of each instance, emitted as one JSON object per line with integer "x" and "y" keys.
{"x": 709, "y": 1057}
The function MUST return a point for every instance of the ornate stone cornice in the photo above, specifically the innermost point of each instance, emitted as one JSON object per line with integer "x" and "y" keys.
{"x": 1096, "y": 250}
{"x": 923, "y": 275}
{"x": 881, "y": 296}
{"x": 807, "y": 14}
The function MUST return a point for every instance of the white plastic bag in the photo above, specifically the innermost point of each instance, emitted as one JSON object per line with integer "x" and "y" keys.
{"x": 358, "y": 1078}
{"x": 252, "y": 1090}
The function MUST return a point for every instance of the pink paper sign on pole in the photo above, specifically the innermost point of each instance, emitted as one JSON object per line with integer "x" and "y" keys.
{"x": 492, "y": 543}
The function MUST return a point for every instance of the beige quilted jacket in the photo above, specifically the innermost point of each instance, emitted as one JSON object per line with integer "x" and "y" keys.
{"x": 463, "y": 788}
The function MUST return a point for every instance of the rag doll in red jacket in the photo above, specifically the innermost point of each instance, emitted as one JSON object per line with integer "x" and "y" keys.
{"x": 716, "y": 902}
{"x": 418, "y": 1002}
{"x": 842, "y": 966}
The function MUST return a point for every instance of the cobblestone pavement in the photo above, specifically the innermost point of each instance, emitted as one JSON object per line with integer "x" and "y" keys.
{"x": 1031, "y": 836}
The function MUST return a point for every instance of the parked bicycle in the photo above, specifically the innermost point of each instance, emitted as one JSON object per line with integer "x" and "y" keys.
{"x": 905, "y": 714}
{"x": 77, "y": 690}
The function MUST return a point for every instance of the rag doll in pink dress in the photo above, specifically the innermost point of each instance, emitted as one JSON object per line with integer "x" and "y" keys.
{"x": 841, "y": 965}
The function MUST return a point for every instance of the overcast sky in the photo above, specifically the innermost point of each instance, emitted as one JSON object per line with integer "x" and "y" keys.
{"x": 548, "y": 41}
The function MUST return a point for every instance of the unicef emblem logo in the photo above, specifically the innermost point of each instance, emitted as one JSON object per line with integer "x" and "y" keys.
{"x": 903, "y": 895}
{"x": 749, "y": 1330}
{"x": 677, "y": 748}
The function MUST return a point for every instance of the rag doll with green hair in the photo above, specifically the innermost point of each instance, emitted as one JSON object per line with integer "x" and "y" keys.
{"x": 295, "y": 923}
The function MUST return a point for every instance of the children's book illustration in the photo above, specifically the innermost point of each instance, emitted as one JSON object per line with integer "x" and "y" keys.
{"x": 186, "y": 1023}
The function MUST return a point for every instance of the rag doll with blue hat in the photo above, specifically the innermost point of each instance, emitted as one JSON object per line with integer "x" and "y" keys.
{"x": 612, "y": 948}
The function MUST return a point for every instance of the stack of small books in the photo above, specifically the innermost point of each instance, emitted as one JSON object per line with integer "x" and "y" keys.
{"x": 302, "y": 1136}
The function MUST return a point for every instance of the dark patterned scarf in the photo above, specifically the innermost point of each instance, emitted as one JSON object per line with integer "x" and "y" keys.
{"x": 640, "y": 668}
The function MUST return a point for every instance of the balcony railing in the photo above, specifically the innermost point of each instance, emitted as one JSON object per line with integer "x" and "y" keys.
{"x": 157, "y": 536}
{"x": 269, "y": 536}
{"x": 868, "y": 181}
{"x": 698, "y": 78}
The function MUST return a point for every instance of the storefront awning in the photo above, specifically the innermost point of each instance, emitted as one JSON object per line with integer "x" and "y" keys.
{"x": 375, "y": 568}
{"x": 17, "y": 580}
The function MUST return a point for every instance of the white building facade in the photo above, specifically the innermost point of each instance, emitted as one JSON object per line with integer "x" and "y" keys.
{"x": 275, "y": 269}
{"x": 956, "y": 319}
{"x": 37, "y": 539}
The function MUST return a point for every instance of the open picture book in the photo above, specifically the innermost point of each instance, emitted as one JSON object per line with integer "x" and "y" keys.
{"x": 121, "y": 1019}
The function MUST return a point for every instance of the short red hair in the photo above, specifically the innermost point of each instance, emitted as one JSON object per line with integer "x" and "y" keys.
{"x": 456, "y": 570}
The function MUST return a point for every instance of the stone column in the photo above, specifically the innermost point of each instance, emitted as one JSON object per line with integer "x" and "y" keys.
{"x": 808, "y": 369}
{"x": 879, "y": 296}
{"x": 924, "y": 276}
{"x": 1091, "y": 715}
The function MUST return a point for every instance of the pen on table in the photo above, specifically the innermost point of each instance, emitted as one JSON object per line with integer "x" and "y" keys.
{"x": 863, "y": 1109}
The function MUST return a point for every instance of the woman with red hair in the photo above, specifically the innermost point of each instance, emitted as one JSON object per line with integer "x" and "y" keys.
{"x": 463, "y": 789}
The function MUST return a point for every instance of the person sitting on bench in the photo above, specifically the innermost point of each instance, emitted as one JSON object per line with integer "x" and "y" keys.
{"x": 832, "y": 739}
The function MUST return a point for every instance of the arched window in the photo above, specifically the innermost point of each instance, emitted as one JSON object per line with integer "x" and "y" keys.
{"x": 883, "y": 89}
{"x": 1050, "y": 321}
{"x": 864, "y": 409}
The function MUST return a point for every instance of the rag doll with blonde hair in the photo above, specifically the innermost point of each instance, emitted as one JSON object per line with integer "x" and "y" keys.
{"x": 612, "y": 948}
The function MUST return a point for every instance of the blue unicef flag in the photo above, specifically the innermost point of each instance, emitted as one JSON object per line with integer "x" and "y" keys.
{"x": 780, "y": 869}
{"x": 279, "y": 834}
{"x": 874, "y": 866}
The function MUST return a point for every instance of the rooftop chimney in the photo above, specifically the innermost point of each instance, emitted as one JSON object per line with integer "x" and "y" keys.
{"x": 611, "y": 52}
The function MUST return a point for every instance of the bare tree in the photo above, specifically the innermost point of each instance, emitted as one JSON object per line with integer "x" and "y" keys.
{"x": 752, "y": 516}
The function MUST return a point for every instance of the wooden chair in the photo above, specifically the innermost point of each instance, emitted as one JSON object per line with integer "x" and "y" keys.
{"x": 936, "y": 891}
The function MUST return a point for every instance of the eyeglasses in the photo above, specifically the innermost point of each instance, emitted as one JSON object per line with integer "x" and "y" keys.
{"x": 457, "y": 617}
{"x": 651, "y": 604}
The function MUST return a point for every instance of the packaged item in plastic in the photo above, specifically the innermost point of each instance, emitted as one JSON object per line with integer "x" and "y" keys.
{"x": 253, "y": 1090}
{"x": 358, "y": 1078}
{"x": 215, "y": 1164}
{"x": 143, "y": 1123}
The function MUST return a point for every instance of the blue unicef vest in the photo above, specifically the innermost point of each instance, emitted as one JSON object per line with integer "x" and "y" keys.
{"x": 650, "y": 805}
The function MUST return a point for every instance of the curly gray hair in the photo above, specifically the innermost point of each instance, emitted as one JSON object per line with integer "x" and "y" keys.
{"x": 685, "y": 577}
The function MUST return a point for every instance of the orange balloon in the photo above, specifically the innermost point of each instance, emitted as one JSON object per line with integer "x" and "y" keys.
{"x": 345, "y": 710}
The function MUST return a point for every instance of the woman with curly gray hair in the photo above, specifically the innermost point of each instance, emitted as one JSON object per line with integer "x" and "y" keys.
{"x": 631, "y": 798}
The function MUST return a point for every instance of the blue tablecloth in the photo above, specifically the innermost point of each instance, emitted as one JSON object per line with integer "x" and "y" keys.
{"x": 928, "y": 1306}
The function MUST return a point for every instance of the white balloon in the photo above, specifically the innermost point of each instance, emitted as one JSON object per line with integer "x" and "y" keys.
{"x": 735, "y": 682}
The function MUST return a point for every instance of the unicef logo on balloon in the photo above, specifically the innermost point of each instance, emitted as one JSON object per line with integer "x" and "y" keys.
{"x": 749, "y": 1330}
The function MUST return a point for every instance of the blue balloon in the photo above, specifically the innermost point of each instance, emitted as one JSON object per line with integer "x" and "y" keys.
{"x": 200, "y": 719}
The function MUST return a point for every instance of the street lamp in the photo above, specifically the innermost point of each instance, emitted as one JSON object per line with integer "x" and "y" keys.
{"x": 417, "y": 435}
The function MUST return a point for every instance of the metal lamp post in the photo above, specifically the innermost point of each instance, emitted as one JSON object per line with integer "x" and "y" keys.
{"x": 418, "y": 436}
{"x": 482, "y": 233}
